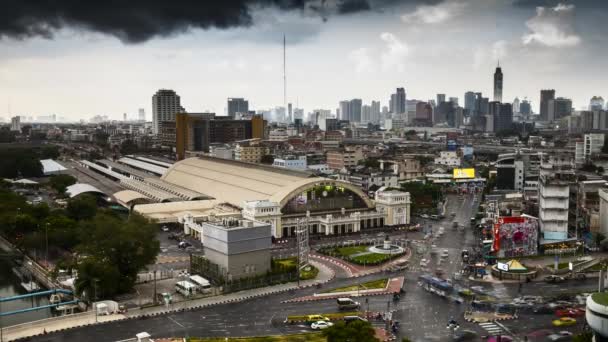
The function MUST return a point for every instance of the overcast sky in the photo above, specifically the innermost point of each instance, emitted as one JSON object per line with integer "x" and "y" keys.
{"x": 88, "y": 61}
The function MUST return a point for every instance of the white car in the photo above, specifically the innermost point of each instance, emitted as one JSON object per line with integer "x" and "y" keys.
{"x": 320, "y": 325}
{"x": 165, "y": 228}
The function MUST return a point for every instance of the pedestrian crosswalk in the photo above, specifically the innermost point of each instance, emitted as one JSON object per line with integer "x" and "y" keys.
{"x": 492, "y": 328}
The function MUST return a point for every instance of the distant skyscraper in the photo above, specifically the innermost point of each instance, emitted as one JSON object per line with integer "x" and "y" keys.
{"x": 469, "y": 101}
{"x": 375, "y": 115}
{"x": 525, "y": 108}
{"x": 344, "y": 110}
{"x": 503, "y": 119}
{"x": 558, "y": 108}
{"x": 498, "y": 84}
{"x": 142, "y": 114}
{"x": 165, "y": 104}
{"x": 545, "y": 96}
{"x": 440, "y": 99}
{"x": 289, "y": 112}
{"x": 596, "y": 103}
{"x": 454, "y": 101}
{"x": 355, "y": 110}
{"x": 366, "y": 113}
{"x": 397, "y": 103}
{"x": 516, "y": 104}
{"x": 16, "y": 123}
{"x": 237, "y": 105}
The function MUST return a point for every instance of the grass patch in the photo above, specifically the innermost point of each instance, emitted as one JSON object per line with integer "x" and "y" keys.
{"x": 600, "y": 298}
{"x": 596, "y": 267}
{"x": 371, "y": 259}
{"x": 370, "y": 285}
{"x": 310, "y": 274}
{"x": 332, "y": 316}
{"x": 346, "y": 253}
{"x": 307, "y": 337}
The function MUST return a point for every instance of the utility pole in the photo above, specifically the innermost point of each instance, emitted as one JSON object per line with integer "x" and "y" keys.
{"x": 284, "y": 76}
{"x": 46, "y": 234}
{"x": 155, "y": 301}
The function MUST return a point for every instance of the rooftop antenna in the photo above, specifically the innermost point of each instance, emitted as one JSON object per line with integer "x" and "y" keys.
{"x": 284, "y": 77}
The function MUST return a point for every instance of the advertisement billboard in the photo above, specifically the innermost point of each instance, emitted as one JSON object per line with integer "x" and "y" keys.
{"x": 502, "y": 266}
{"x": 464, "y": 173}
{"x": 515, "y": 236}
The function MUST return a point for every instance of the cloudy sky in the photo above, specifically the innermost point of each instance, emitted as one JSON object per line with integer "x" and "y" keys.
{"x": 83, "y": 58}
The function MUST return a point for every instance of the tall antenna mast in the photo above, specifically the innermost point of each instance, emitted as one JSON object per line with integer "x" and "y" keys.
{"x": 284, "y": 78}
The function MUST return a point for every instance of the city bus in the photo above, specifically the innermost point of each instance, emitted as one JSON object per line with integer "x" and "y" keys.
{"x": 436, "y": 285}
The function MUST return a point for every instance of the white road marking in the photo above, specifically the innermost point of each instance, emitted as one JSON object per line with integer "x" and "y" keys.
{"x": 174, "y": 321}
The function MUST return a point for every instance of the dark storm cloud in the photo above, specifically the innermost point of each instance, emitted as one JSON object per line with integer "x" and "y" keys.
{"x": 135, "y": 21}
{"x": 353, "y": 6}
{"x": 592, "y": 4}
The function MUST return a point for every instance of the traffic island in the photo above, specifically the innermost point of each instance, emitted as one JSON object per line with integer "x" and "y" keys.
{"x": 484, "y": 317}
{"x": 377, "y": 287}
{"x": 307, "y": 337}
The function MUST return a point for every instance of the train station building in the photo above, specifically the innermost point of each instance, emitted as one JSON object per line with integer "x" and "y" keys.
{"x": 281, "y": 197}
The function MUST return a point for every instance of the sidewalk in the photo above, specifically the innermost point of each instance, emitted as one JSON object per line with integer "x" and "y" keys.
{"x": 88, "y": 318}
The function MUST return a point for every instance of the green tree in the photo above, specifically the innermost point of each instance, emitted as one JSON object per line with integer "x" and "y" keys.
{"x": 60, "y": 182}
{"x": 598, "y": 238}
{"x": 583, "y": 337}
{"x": 82, "y": 207}
{"x": 128, "y": 147}
{"x": 423, "y": 195}
{"x": 113, "y": 252}
{"x": 373, "y": 163}
{"x": 358, "y": 331}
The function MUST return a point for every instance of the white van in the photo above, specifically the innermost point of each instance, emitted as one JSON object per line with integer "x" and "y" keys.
{"x": 202, "y": 284}
{"x": 185, "y": 288}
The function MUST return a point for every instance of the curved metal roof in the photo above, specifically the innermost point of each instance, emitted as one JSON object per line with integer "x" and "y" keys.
{"x": 80, "y": 188}
{"x": 127, "y": 196}
{"x": 235, "y": 182}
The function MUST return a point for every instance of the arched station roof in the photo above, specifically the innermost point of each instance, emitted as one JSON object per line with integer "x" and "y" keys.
{"x": 235, "y": 182}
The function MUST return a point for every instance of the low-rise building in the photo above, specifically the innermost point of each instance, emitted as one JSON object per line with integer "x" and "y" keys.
{"x": 344, "y": 158}
{"x": 250, "y": 151}
{"x": 291, "y": 162}
{"x": 241, "y": 247}
{"x": 448, "y": 158}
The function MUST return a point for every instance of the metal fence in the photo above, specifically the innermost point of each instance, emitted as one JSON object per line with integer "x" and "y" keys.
{"x": 219, "y": 276}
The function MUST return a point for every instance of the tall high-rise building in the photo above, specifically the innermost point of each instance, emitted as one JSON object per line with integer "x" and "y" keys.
{"x": 424, "y": 114}
{"x": 558, "y": 108}
{"x": 454, "y": 101}
{"x": 545, "y": 96}
{"x": 165, "y": 104}
{"x": 397, "y": 103}
{"x": 503, "y": 121}
{"x": 289, "y": 112}
{"x": 16, "y": 124}
{"x": 440, "y": 99}
{"x": 596, "y": 103}
{"x": 525, "y": 108}
{"x": 469, "y": 101}
{"x": 351, "y": 110}
{"x": 124, "y": 116}
{"x": 237, "y": 105}
{"x": 355, "y": 110}
{"x": 344, "y": 110}
{"x": 366, "y": 113}
{"x": 375, "y": 115}
{"x": 516, "y": 104}
{"x": 141, "y": 114}
{"x": 498, "y": 84}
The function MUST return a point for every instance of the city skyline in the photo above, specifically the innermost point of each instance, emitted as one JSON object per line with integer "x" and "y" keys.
{"x": 396, "y": 45}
